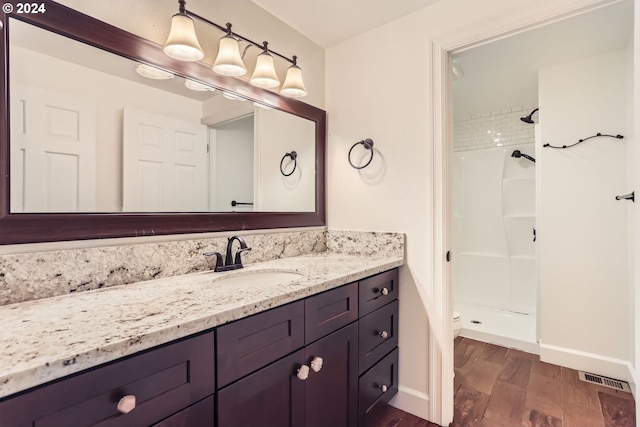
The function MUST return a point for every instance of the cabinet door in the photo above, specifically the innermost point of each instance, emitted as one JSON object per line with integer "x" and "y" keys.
{"x": 332, "y": 392}
{"x": 197, "y": 415}
{"x": 270, "y": 397}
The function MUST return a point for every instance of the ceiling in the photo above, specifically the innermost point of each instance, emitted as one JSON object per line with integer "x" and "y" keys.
{"x": 497, "y": 75}
{"x": 504, "y": 73}
{"x": 328, "y": 22}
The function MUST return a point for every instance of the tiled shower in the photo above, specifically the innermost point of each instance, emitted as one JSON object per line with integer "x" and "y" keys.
{"x": 495, "y": 272}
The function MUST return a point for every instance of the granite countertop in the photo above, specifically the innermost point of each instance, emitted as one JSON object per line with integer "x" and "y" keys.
{"x": 50, "y": 338}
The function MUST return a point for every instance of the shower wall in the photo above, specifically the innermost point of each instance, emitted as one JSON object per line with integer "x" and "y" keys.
{"x": 494, "y": 212}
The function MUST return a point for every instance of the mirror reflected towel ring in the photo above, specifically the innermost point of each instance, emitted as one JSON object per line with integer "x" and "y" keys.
{"x": 294, "y": 156}
{"x": 366, "y": 143}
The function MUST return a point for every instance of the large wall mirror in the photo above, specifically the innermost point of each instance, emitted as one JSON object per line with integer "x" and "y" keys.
{"x": 91, "y": 147}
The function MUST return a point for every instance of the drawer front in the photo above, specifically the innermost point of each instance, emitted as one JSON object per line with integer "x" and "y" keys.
{"x": 200, "y": 414}
{"x": 164, "y": 381}
{"x": 253, "y": 342}
{"x": 377, "y": 291}
{"x": 330, "y": 311}
{"x": 378, "y": 335}
{"x": 383, "y": 376}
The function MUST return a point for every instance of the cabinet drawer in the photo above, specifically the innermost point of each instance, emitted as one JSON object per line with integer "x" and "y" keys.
{"x": 377, "y": 291}
{"x": 163, "y": 381}
{"x": 253, "y": 342}
{"x": 383, "y": 376}
{"x": 378, "y": 335}
{"x": 330, "y": 310}
{"x": 199, "y": 414}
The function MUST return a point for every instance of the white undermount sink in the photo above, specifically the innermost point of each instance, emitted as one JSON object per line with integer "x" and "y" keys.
{"x": 256, "y": 278}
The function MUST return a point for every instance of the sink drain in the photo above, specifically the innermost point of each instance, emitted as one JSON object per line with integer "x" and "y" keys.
{"x": 476, "y": 322}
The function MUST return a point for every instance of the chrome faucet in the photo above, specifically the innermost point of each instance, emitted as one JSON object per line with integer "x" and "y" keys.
{"x": 230, "y": 262}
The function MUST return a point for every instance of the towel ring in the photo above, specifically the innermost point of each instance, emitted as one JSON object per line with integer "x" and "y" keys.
{"x": 293, "y": 155}
{"x": 368, "y": 144}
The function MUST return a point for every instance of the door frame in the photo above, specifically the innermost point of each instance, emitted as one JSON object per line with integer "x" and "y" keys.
{"x": 439, "y": 51}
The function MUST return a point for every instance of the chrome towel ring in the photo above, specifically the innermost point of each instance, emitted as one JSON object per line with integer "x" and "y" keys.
{"x": 366, "y": 143}
{"x": 294, "y": 156}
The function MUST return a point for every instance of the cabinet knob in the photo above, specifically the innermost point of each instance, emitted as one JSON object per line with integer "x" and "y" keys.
{"x": 384, "y": 291}
{"x": 303, "y": 372}
{"x": 384, "y": 388}
{"x": 316, "y": 364}
{"x": 127, "y": 404}
{"x": 383, "y": 334}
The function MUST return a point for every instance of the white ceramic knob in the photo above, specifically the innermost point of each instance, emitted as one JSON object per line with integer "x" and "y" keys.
{"x": 384, "y": 335}
{"x": 127, "y": 404}
{"x": 384, "y": 291}
{"x": 316, "y": 364}
{"x": 303, "y": 372}
{"x": 383, "y": 388}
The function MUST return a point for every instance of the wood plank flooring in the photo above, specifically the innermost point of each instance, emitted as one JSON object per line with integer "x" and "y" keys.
{"x": 500, "y": 387}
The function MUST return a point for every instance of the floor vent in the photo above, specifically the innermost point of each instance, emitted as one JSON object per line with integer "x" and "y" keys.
{"x": 604, "y": 381}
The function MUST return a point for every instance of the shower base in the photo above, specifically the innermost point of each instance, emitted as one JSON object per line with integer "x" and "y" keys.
{"x": 499, "y": 327}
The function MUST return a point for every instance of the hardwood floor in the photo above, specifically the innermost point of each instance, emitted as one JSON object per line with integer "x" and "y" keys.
{"x": 500, "y": 387}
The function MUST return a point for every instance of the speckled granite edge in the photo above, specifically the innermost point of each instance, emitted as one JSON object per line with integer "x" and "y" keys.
{"x": 366, "y": 243}
{"x": 35, "y": 275}
{"x": 50, "y": 338}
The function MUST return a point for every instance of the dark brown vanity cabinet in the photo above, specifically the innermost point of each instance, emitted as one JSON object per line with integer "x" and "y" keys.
{"x": 171, "y": 383}
{"x": 316, "y": 385}
{"x": 327, "y": 360}
{"x": 378, "y": 344}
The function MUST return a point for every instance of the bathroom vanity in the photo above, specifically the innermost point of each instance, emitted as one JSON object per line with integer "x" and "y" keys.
{"x": 314, "y": 344}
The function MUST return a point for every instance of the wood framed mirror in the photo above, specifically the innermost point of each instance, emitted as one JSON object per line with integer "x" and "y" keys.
{"x": 30, "y": 226}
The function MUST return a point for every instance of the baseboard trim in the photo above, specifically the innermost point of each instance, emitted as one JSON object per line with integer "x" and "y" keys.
{"x": 411, "y": 401}
{"x": 588, "y": 362}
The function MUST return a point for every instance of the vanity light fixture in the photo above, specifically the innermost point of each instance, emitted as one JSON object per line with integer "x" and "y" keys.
{"x": 154, "y": 73}
{"x": 193, "y": 85}
{"x": 182, "y": 44}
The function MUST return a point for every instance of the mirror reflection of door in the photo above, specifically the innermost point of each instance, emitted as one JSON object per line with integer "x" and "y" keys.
{"x": 232, "y": 165}
{"x": 53, "y": 151}
{"x": 165, "y": 165}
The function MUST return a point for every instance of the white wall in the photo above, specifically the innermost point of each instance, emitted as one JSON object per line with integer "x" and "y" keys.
{"x": 634, "y": 217}
{"x": 582, "y": 228}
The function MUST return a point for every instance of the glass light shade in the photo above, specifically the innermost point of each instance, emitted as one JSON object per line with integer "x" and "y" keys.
{"x": 190, "y": 84}
{"x": 293, "y": 85}
{"x": 228, "y": 61}
{"x": 152, "y": 72}
{"x": 265, "y": 74}
{"x": 182, "y": 43}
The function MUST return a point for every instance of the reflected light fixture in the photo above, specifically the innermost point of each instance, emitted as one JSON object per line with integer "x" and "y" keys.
{"x": 232, "y": 96}
{"x": 193, "y": 85}
{"x": 182, "y": 44}
{"x": 152, "y": 72}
